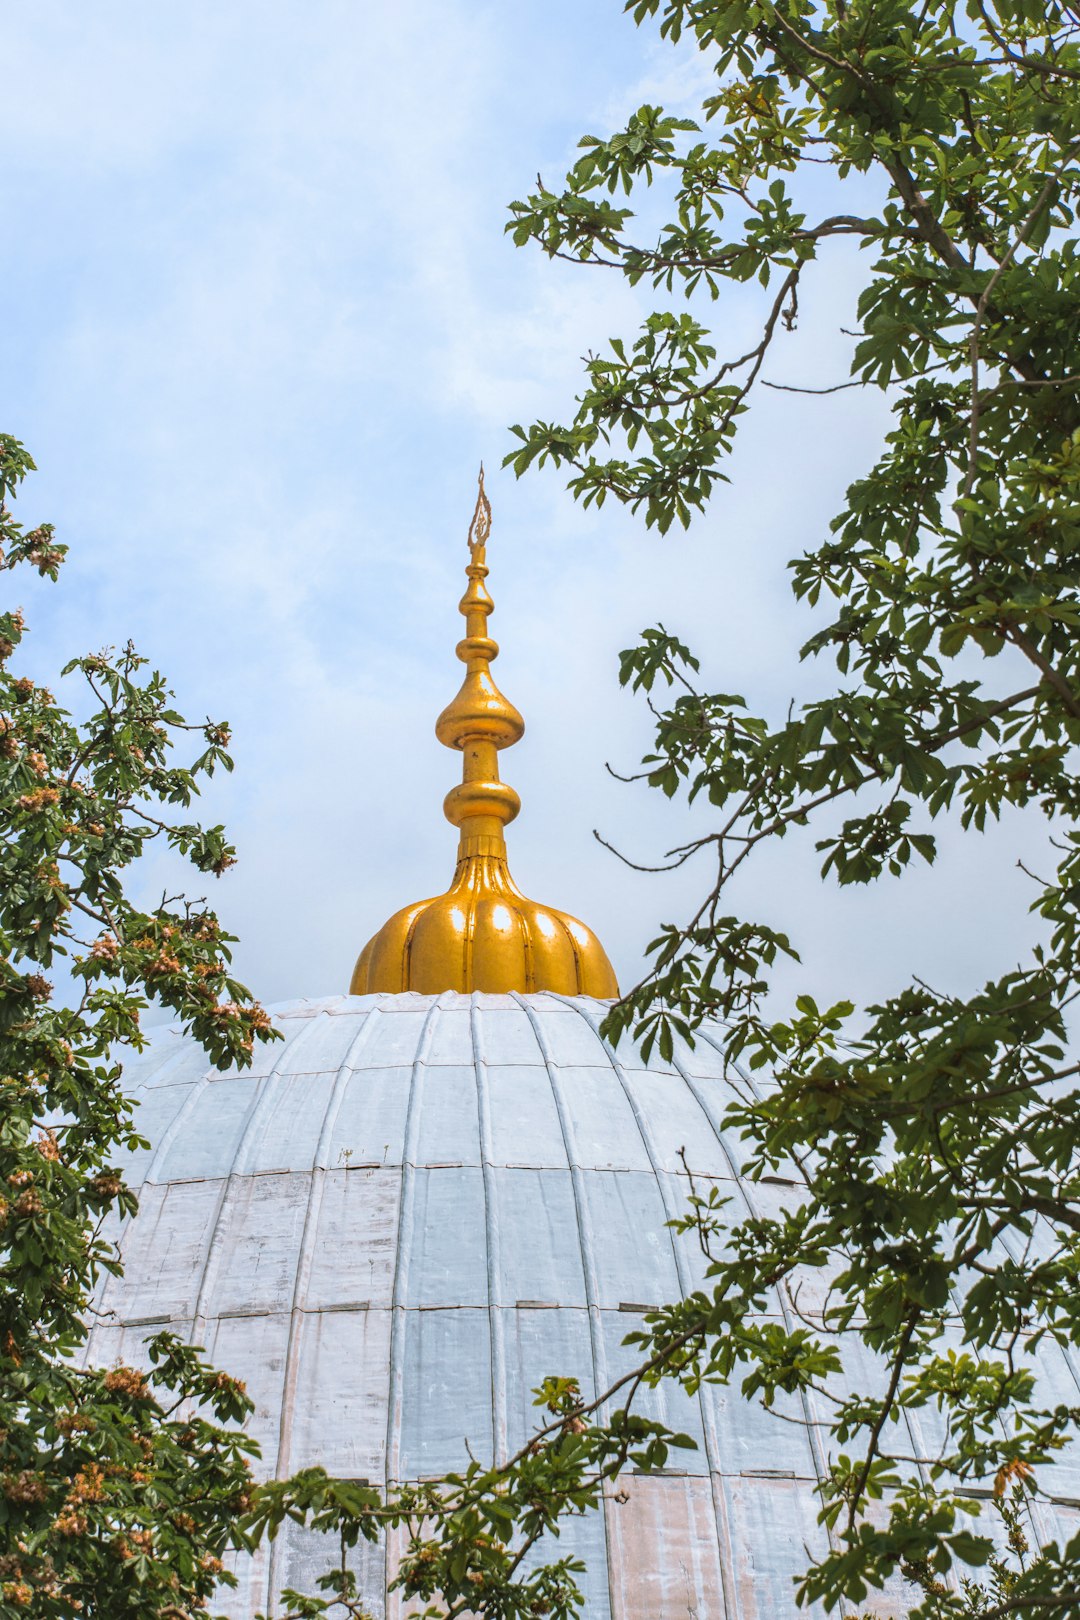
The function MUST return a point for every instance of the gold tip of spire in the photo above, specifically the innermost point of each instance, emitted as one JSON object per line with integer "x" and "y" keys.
{"x": 483, "y": 934}
{"x": 479, "y": 720}
{"x": 480, "y": 527}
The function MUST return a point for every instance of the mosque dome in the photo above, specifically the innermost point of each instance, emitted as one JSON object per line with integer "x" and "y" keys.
{"x": 432, "y": 1195}
{"x": 407, "y": 1214}
{"x": 402, "y": 1219}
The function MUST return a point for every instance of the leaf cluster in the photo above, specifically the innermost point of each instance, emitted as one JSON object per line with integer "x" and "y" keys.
{"x": 120, "y": 1487}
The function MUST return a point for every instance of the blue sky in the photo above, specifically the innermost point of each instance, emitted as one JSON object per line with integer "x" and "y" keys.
{"x": 262, "y": 323}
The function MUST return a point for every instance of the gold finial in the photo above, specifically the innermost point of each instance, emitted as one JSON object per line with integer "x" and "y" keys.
{"x": 480, "y": 527}
{"x": 483, "y": 934}
{"x": 480, "y": 720}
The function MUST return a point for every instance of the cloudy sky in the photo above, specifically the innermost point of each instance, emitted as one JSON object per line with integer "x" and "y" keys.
{"x": 261, "y": 323}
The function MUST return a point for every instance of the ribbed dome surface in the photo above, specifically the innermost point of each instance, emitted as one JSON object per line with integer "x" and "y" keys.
{"x": 417, "y": 1207}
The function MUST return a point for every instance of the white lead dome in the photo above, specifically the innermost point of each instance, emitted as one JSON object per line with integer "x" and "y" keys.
{"x": 413, "y": 1210}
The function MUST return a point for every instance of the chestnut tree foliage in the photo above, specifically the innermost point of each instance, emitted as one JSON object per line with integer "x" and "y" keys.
{"x": 120, "y": 1487}
{"x": 940, "y": 1133}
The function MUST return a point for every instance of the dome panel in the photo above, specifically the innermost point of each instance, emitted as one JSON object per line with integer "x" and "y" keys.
{"x": 441, "y": 1391}
{"x": 337, "y": 1411}
{"x": 286, "y": 1123}
{"x": 447, "y": 1118}
{"x": 597, "y": 1119}
{"x": 504, "y": 1033}
{"x": 1060, "y": 1384}
{"x": 671, "y": 1119}
{"x": 251, "y": 1265}
{"x": 567, "y": 1039}
{"x": 419, "y": 1208}
{"x": 668, "y": 1403}
{"x": 664, "y": 1544}
{"x": 164, "y": 1252}
{"x": 691, "y": 1261}
{"x": 631, "y": 1260}
{"x": 366, "y": 1126}
{"x": 298, "y": 1557}
{"x": 451, "y": 1038}
{"x": 748, "y": 1439}
{"x": 169, "y": 1061}
{"x": 772, "y": 1535}
{"x": 583, "y": 1538}
{"x": 400, "y": 1032}
{"x": 316, "y": 1043}
{"x": 350, "y": 1245}
{"x": 440, "y": 1262}
{"x": 258, "y": 1343}
{"x": 539, "y": 1341}
{"x": 521, "y": 1116}
{"x": 214, "y": 1117}
{"x": 159, "y": 1108}
{"x": 537, "y": 1250}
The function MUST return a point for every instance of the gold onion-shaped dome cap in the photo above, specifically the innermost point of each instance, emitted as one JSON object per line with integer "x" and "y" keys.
{"x": 483, "y": 933}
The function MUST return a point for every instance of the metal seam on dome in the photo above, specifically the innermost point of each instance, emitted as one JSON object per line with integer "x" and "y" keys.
{"x": 208, "y": 1276}
{"x": 491, "y": 1231}
{"x": 342, "y": 1079}
{"x": 686, "y": 1288}
{"x": 585, "y": 1244}
{"x": 819, "y": 1461}
{"x": 406, "y": 1199}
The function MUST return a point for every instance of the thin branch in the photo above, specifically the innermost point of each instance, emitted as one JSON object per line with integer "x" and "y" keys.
{"x": 886, "y": 1407}
{"x": 790, "y": 388}
{"x": 1052, "y": 675}
{"x": 96, "y": 915}
{"x": 797, "y": 813}
{"x": 1013, "y": 1605}
{"x": 671, "y": 866}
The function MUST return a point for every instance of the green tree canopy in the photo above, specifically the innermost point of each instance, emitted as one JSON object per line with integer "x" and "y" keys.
{"x": 937, "y": 1133}
{"x": 940, "y": 1133}
{"x": 120, "y": 1487}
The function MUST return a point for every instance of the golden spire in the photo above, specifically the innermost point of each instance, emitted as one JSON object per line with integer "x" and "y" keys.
{"x": 483, "y": 934}
{"x": 480, "y": 720}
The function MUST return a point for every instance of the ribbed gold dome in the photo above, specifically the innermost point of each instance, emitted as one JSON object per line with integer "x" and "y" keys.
{"x": 483, "y": 934}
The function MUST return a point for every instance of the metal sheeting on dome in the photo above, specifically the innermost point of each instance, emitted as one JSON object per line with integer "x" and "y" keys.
{"x": 408, "y": 1214}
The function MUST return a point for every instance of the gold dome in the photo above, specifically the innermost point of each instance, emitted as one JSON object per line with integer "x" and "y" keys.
{"x": 483, "y": 933}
